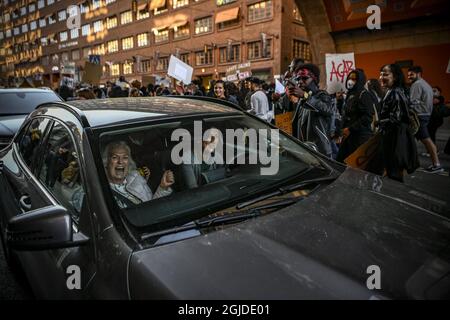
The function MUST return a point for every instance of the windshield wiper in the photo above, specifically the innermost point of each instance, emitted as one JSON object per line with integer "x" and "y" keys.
{"x": 287, "y": 189}
{"x": 226, "y": 218}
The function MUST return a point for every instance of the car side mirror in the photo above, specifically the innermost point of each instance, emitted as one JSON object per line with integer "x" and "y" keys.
{"x": 42, "y": 229}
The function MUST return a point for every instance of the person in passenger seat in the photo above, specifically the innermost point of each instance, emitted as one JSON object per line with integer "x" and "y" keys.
{"x": 193, "y": 174}
{"x": 128, "y": 185}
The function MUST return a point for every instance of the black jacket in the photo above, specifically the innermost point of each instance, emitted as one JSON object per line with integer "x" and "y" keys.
{"x": 359, "y": 107}
{"x": 313, "y": 120}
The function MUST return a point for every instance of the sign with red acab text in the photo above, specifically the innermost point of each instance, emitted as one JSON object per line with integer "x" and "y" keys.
{"x": 338, "y": 66}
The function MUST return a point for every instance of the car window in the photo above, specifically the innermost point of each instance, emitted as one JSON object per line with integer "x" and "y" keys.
{"x": 30, "y": 140}
{"x": 24, "y": 102}
{"x": 151, "y": 186}
{"x": 60, "y": 170}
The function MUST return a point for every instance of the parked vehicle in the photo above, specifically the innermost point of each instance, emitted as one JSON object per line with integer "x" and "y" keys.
{"x": 15, "y": 105}
{"x": 311, "y": 230}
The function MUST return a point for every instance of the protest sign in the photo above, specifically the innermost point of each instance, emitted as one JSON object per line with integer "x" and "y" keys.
{"x": 279, "y": 88}
{"x": 92, "y": 73}
{"x": 338, "y": 66}
{"x": 180, "y": 70}
{"x": 68, "y": 68}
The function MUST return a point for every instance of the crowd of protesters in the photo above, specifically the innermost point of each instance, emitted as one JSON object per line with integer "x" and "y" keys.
{"x": 382, "y": 110}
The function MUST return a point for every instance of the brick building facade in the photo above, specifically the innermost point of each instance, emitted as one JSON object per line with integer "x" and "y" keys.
{"x": 136, "y": 38}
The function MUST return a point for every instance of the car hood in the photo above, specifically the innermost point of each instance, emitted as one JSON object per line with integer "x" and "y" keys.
{"x": 319, "y": 248}
{"x": 10, "y": 124}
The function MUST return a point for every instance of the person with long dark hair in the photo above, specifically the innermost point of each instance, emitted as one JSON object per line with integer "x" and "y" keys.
{"x": 221, "y": 92}
{"x": 358, "y": 112}
{"x": 397, "y": 149}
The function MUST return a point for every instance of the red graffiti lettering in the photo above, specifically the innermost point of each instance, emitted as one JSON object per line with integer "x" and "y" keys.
{"x": 341, "y": 71}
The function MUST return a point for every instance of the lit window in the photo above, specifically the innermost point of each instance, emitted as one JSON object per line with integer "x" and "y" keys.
{"x": 113, "y": 46}
{"x": 86, "y": 30}
{"x": 42, "y": 23}
{"x": 98, "y": 26}
{"x": 74, "y": 33}
{"x": 255, "y": 50}
{"x": 223, "y": 2}
{"x": 110, "y": 1}
{"x": 185, "y": 58}
{"x": 142, "y": 39}
{"x": 8, "y": 33}
{"x": 161, "y": 35}
{"x": 181, "y": 32}
{"x": 162, "y": 64}
{"x": 127, "y": 43}
{"x": 63, "y": 36}
{"x": 126, "y": 17}
{"x": 23, "y": 11}
{"x": 52, "y": 19}
{"x": 96, "y": 4}
{"x": 33, "y": 25}
{"x": 49, "y": 2}
{"x": 128, "y": 68}
{"x": 84, "y": 7}
{"x": 16, "y": 31}
{"x": 32, "y": 7}
{"x": 62, "y": 15}
{"x": 202, "y": 58}
{"x": 203, "y": 25}
{"x": 229, "y": 54}
{"x": 143, "y": 13}
{"x": 115, "y": 69}
{"x": 301, "y": 49}
{"x": 98, "y": 50}
{"x": 111, "y": 22}
{"x": 260, "y": 11}
{"x": 44, "y": 41}
{"x": 180, "y": 3}
{"x": 24, "y": 28}
{"x": 296, "y": 14}
{"x": 145, "y": 66}
{"x": 41, "y": 4}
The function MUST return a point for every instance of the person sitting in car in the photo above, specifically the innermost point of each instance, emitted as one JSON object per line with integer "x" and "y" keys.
{"x": 128, "y": 183}
{"x": 195, "y": 173}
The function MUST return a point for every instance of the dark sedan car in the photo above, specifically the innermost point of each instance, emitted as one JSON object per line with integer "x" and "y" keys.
{"x": 95, "y": 203}
{"x": 15, "y": 105}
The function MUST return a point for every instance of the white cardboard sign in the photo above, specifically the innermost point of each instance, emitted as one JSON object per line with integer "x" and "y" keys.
{"x": 180, "y": 70}
{"x": 338, "y": 66}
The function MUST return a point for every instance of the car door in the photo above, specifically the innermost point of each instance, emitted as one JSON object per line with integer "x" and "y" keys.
{"x": 15, "y": 192}
{"x": 56, "y": 179}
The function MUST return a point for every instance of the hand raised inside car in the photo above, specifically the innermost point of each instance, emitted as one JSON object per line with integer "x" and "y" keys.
{"x": 167, "y": 179}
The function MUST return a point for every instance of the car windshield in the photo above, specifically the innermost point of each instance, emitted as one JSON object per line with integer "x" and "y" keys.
{"x": 13, "y": 103}
{"x": 178, "y": 171}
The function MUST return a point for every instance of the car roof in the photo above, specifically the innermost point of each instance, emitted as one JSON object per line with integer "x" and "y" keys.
{"x": 102, "y": 112}
{"x": 14, "y": 90}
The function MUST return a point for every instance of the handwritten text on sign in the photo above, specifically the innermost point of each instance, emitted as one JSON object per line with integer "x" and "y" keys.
{"x": 338, "y": 66}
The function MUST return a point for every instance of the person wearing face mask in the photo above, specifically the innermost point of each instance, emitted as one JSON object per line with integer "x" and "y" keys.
{"x": 358, "y": 113}
{"x": 396, "y": 151}
{"x": 312, "y": 121}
